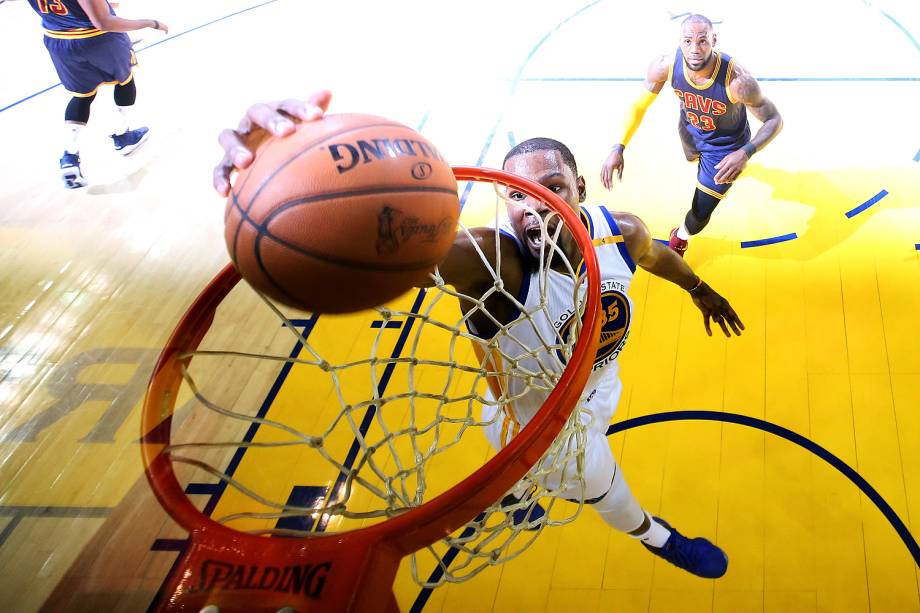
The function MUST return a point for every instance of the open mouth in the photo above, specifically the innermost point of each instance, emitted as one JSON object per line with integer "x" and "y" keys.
{"x": 533, "y": 235}
{"x": 537, "y": 237}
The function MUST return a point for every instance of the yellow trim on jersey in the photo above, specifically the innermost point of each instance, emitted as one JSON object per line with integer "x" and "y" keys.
{"x": 709, "y": 191}
{"x": 95, "y": 89}
{"x": 728, "y": 80}
{"x": 670, "y": 80}
{"x": 509, "y": 421}
{"x": 74, "y": 34}
{"x": 607, "y": 240}
{"x": 601, "y": 242}
{"x": 496, "y": 384}
{"x": 712, "y": 78}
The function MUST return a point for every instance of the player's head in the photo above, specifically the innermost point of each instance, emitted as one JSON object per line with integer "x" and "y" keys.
{"x": 551, "y": 164}
{"x": 697, "y": 40}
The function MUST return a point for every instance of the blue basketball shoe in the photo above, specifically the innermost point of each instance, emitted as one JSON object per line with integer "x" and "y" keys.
{"x": 697, "y": 555}
{"x": 70, "y": 171}
{"x": 130, "y": 141}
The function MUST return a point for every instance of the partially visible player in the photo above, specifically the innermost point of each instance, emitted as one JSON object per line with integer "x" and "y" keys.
{"x": 89, "y": 48}
{"x": 622, "y": 241}
{"x": 714, "y": 91}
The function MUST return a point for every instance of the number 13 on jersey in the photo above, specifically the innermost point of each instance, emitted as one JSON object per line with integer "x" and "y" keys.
{"x": 53, "y": 6}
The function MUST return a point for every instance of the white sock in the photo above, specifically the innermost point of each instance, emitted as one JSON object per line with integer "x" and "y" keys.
{"x": 72, "y": 136}
{"x": 682, "y": 232}
{"x": 123, "y": 125}
{"x": 656, "y": 535}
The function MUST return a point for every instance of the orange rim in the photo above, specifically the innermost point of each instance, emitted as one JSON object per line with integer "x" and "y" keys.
{"x": 416, "y": 528}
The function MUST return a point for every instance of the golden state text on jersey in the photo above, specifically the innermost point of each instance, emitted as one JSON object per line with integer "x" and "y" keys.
{"x": 615, "y": 314}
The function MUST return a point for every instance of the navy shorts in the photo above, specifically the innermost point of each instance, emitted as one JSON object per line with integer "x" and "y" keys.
{"x": 706, "y": 166}
{"x": 84, "y": 64}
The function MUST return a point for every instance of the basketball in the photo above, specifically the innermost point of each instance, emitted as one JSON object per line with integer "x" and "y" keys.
{"x": 345, "y": 214}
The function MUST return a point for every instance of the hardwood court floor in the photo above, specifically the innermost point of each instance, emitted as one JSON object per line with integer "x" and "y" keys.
{"x": 94, "y": 280}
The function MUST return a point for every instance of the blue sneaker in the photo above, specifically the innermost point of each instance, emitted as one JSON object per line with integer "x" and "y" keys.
{"x": 527, "y": 517}
{"x": 697, "y": 555}
{"x": 70, "y": 171}
{"x": 130, "y": 141}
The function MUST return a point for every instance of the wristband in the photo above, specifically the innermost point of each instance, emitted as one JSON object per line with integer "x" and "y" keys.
{"x": 699, "y": 284}
{"x": 156, "y": 24}
{"x": 749, "y": 149}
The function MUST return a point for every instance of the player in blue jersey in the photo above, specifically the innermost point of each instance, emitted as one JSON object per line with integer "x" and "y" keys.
{"x": 89, "y": 48}
{"x": 714, "y": 93}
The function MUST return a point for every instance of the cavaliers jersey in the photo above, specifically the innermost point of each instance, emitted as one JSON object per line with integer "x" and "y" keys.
{"x": 66, "y": 18}
{"x": 714, "y": 120}
{"x": 602, "y": 391}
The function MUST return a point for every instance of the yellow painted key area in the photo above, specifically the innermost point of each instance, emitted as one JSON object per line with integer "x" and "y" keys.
{"x": 92, "y": 282}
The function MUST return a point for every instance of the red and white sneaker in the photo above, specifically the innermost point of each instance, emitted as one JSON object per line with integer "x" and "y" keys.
{"x": 677, "y": 244}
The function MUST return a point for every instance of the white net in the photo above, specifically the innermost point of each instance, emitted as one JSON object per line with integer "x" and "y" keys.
{"x": 371, "y": 413}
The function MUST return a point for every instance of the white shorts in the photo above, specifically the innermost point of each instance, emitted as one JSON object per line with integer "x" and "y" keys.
{"x": 599, "y": 465}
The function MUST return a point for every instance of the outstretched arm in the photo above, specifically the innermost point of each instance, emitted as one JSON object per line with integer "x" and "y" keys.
{"x": 654, "y": 80}
{"x": 662, "y": 262}
{"x": 745, "y": 89}
{"x": 98, "y": 12}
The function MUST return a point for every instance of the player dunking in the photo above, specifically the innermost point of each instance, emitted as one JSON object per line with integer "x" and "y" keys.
{"x": 623, "y": 242}
{"x": 713, "y": 91}
{"x": 89, "y": 48}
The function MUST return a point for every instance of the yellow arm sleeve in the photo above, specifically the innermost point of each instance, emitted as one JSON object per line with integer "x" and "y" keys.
{"x": 635, "y": 114}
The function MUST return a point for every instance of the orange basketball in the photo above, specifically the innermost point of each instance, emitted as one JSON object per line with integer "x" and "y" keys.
{"x": 345, "y": 214}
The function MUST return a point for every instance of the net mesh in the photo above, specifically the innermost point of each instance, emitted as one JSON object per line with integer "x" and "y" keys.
{"x": 360, "y": 426}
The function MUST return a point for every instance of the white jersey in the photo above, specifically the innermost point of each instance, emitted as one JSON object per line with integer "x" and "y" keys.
{"x": 602, "y": 391}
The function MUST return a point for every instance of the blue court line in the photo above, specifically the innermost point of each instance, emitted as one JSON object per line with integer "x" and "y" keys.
{"x": 902, "y": 28}
{"x": 204, "y": 25}
{"x": 514, "y": 83}
{"x": 371, "y": 410}
{"x": 208, "y": 489}
{"x": 263, "y": 411}
{"x": 769, "y": 241}
{"x": 751, "y": 422}
{"x": 865, "y": 205}
{"x": 793, "y": 437}
{"x": 38, "y": 93}
{"x": 406, "y": 326}
{"x": 216, "y": 490}
{"x": 422, "y": 599}
{"x": 546, "y": 37}
{"x": 425, "y": 593}
{"x": 378, "y": 323}
{"x": 169, "y": 545}
{"x": 366, "y": 421}
{"x": 19, "y": 512}
{"x": 424, "y": 120}
{"x": 159, "y": 42}
{"x": 51, "y": 511}
{"x": 9, "y": 528}
{"x": 640, "y": 79}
